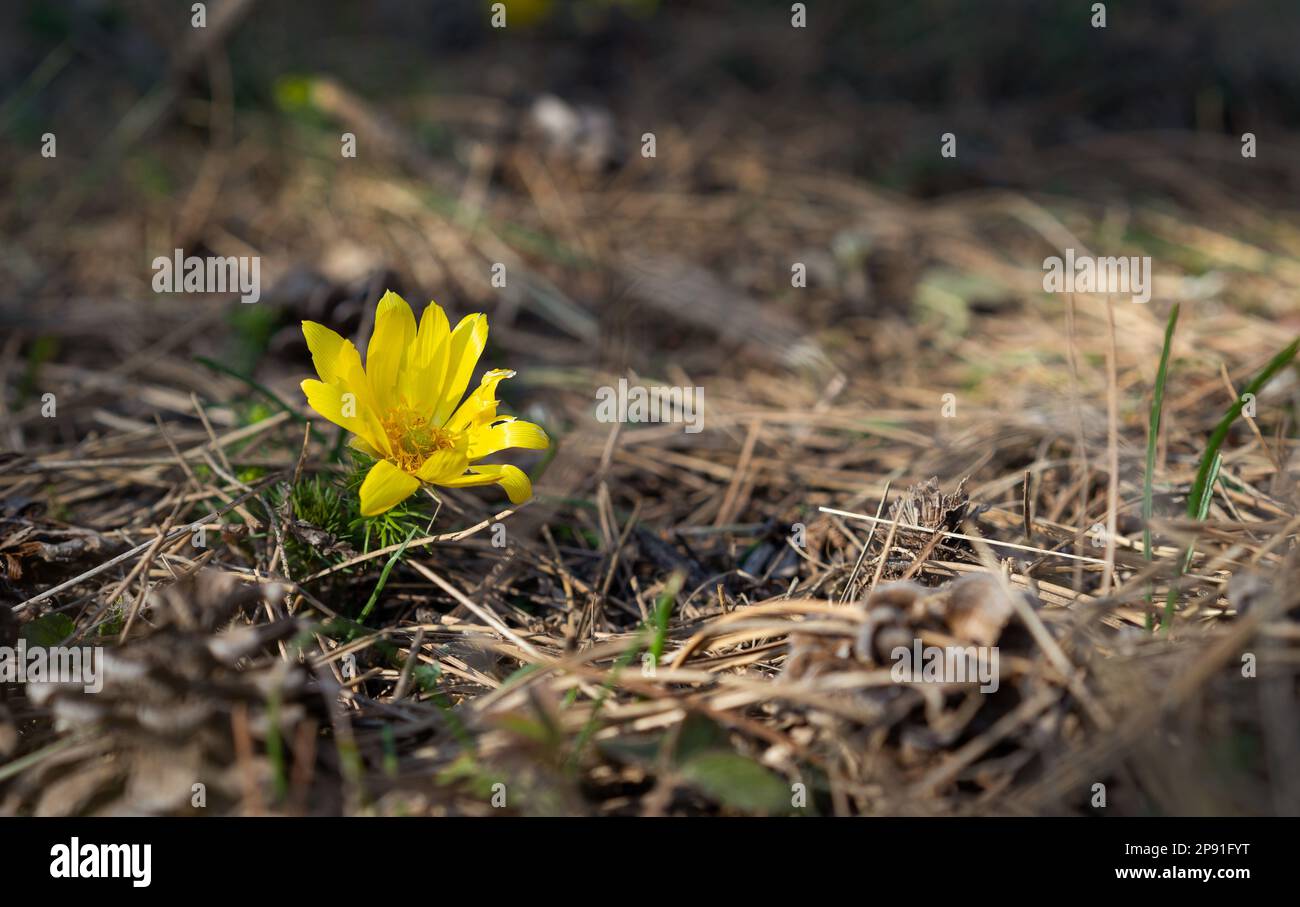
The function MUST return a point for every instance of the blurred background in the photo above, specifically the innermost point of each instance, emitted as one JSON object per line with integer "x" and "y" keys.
{"x": 523, "y": 145}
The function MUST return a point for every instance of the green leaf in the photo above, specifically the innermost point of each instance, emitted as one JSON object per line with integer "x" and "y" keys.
{"x": 735, "y": 781}
{"x": 643, "y": 751}
{"x": 698, "y": 734}
{"x": 525, "y": 727}
{"x": 426, "y": 677}
{"x": 48, "y": 630}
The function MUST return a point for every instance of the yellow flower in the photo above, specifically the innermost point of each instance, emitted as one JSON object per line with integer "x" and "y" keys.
{"x": 405, "y": 408}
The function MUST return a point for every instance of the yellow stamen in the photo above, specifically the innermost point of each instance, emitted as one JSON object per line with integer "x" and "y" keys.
{"x": 414, "y": 438}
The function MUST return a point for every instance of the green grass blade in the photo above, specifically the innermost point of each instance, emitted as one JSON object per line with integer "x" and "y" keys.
{"x": 1153, "y": 435}
{"x": 663, "y": 612}
{"x": 658, "y": 633}
{"x": 590, "y": 726}
{"x": 1220, "y": 434}
{"x": 1202, "y": 510}
{"x": 383, "y": 575}
{"x": 1153, "y": 430}
{"x": 275, "y": 746}
{"x": 1198, "y": 500}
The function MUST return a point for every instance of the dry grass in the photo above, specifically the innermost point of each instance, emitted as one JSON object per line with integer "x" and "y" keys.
{"x": 525, "y": 665}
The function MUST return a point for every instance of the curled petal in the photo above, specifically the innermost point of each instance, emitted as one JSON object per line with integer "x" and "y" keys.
{"x": 512, "y": 432}
{"x": 511, "y": 478}
{"x": 480, "y": 407}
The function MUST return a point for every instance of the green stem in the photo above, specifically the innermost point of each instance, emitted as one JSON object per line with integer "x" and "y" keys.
{"x": 1153, "y": 434}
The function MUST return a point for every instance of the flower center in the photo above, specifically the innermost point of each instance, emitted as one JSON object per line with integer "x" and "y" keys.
{"x": 413, "y": 438}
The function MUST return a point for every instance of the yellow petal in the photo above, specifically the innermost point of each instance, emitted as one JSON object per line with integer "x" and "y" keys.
{"x": 433, "y": 332}
{"x": 510, "y": 433}
{"x": 353, "y": 378}
{"x": 422, "y": 379}
{"x": 351, "y": 413}
{"x": 511, "y": 478}
{"x": 480, "y": 407}
{"x": 384, "y": 487}
{"x": 445, "y": 464}
{"x": 466, "y": 345}
{"x": 388, "y": 347}
{"x": 326, "y": 348}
